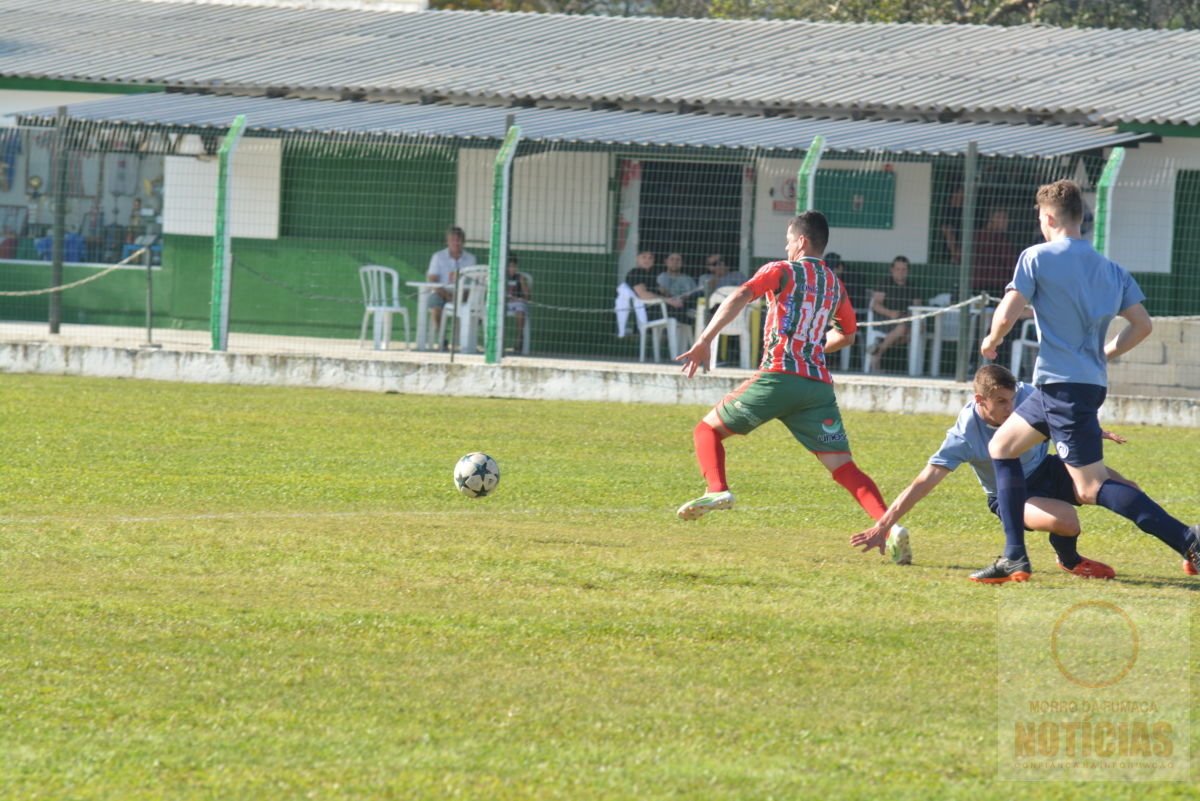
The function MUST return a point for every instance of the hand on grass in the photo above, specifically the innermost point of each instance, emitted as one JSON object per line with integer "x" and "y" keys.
{"x": 874, "y": 537}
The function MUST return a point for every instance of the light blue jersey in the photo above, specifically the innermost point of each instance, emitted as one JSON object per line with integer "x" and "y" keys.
{"x": 968, "y": 442}
{"x": 1075, "y": 292}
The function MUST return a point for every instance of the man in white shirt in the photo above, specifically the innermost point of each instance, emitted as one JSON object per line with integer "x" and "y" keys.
{"x": 443, "y": 267}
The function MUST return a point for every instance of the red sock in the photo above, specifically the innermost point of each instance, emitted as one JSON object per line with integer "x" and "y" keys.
{"x": 710, "y": 453}
{"x": 862, "y": 488}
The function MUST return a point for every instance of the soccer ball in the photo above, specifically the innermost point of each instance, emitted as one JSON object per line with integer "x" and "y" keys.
{"x": 898, "y": 546}
{"x": 476, "y": 475}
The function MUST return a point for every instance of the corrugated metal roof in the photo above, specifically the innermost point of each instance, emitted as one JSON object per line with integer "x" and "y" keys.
{"x": 1099, "y": 75}
{"x": 267, "y": 115}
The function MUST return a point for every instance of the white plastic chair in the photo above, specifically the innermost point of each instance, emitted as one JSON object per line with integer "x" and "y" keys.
{"x": 738, "y": 327}
{"x": 469, "y": 307}
{"x": 525, "y": 335}
{"x": 381, "y": 296}
{"x": 944, "y": 328}
{"x": 871, "y": 335}
{"x": 656, "y": 328}
{"x": 941, "y": 328}
{"x": 1027, "y": 340}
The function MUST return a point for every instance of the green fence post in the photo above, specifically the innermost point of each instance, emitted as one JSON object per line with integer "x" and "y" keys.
{"x": 1104, "y": 198}
{"x": 967, "y": 259}
{"x": 806, "y": 177}
{"x": 222, "y": 252}
{"x": 493, "y": 342}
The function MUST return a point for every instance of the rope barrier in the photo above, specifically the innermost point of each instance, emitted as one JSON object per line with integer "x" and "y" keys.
{"x": 74, "y": 284}
{"x": 898, "y": 320}
{"x": 535, "y": 304}
{"x": 924, "y": 315}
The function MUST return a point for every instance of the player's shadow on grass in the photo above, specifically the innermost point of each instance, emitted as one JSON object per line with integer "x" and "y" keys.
{"x": 1188, "y": 583}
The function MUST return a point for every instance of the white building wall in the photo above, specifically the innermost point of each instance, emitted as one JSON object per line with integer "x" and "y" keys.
{"x": 190, "y": 190}
{"x": 909, "y": 234}
{"x": 560, "y": 201}
{"x": 1142, "y": 216}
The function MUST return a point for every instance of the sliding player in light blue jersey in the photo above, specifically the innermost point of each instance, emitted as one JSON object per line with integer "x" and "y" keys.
{"x": 1075, "y": 293}
{"x": 1051, "y": 503}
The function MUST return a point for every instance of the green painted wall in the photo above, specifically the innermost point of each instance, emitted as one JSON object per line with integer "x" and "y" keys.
{"x": 358, "y": 192}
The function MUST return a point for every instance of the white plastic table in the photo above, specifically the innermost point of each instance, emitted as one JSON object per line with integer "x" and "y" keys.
{"x": 424, "y": 291}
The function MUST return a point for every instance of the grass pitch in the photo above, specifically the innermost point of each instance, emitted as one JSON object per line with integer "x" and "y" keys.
{"x": 221, "y": 592}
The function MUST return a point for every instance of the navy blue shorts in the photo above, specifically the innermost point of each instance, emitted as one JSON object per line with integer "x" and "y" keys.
{"x": 1069, "y": 415}
{"x": 1049, "y": 480}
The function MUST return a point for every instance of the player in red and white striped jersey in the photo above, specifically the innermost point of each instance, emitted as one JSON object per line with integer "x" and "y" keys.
{"x": 793, "y": 384}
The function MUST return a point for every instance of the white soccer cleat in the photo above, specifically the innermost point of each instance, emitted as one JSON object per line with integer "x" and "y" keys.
{"x": 898, "y": 547}
{"x": 708, "y": 502}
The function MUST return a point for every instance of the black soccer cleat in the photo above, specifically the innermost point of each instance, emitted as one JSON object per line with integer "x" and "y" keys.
{"x": 1004, "y": 570}
{"x": 1191, "y": 554}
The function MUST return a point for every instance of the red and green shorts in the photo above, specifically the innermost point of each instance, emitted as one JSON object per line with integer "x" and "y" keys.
{"x": 806, "y": 406}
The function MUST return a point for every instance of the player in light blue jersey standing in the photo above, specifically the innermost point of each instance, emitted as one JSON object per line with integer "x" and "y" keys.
{"x": 1050, "y": 505}
{"x": 1075, "y": 293}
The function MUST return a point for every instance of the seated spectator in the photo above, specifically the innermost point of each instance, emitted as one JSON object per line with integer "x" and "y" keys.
{"x": 851, "y": 281}
{"x": 517, "y": 294}
{"x": 719, "y": 275}
{"x": 443, "y": 267}
{"x": 640, "y": 284}
{"x": 890, "y": 302}
{"x": 679, "y": 289}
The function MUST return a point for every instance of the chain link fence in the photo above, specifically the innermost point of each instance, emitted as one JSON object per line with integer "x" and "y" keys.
{"x": 134, "y": 208}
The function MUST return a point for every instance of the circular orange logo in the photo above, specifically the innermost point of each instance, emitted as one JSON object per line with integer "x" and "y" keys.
{"x": 1086, "y": 637}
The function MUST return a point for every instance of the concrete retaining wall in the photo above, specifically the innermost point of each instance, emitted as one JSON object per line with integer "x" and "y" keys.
{"x": 1165, "y": 365}
{"x": 433, "y": 374}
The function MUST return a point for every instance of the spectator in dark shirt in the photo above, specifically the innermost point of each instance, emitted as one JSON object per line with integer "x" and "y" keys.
{"x": 995, "y": 258}
{"x": 889, "y": 302}
{"x": 952, "y": 224}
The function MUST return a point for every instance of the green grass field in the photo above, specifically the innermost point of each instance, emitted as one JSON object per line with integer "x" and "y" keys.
{"x": 218, "y": 592}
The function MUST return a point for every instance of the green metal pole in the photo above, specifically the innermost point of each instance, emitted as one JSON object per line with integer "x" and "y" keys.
{"x": 493, "y": 344}
{"x": 59, "y": 188}
{"x": 1104, "y": 198}
{"x": 806, "y": 185}
{"x": 222, "y": 252}
{"x": 970, "y": 190}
